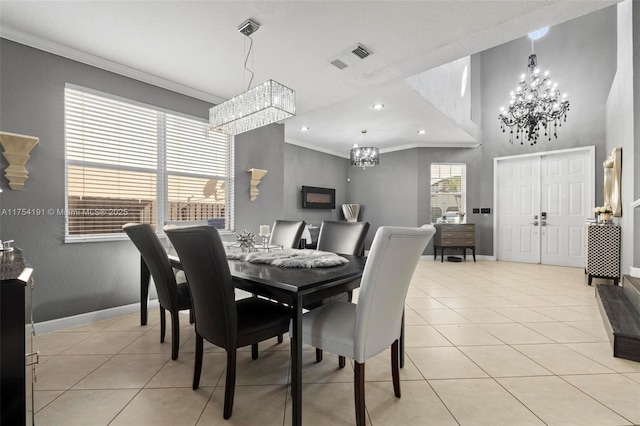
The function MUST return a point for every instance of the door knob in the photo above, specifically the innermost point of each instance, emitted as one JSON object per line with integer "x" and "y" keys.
{"x": 535, "y": 223}
{"x": 543, "y": 223}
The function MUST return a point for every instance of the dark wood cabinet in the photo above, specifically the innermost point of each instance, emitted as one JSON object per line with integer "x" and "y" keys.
{"x": 455, "y": 236}
{"x": 16, "y": 331}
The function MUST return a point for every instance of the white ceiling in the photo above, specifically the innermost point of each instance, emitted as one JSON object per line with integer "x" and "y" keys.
{"x": 193, "y": 47}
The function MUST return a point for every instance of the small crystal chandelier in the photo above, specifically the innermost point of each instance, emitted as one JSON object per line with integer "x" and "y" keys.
{"x": 264, "y": 104}
{"x": 364, "y": 156}
{"x": 535, "y": 103}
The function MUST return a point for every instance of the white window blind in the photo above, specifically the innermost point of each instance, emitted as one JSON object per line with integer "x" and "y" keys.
{"x": 448, "y": 191}
{"x": 128, "y": 162}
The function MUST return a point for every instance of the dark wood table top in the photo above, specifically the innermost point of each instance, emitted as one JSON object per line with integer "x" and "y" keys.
{"x": 294, "y": 281}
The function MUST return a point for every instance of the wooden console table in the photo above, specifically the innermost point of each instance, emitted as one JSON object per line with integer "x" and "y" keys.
{"x": 455, "y": 235}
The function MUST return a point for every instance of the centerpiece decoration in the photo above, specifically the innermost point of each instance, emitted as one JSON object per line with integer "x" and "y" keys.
{"x": 264, "y": 233}
{"x": 603, "y": 213}
{"x": 245, "y": 240}
{"x": 461, "y": 214}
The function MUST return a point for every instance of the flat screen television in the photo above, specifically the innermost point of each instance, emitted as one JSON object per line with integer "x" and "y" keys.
{"x": 318, "y": 198}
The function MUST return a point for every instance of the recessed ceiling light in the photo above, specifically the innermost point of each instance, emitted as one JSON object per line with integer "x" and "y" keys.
{"x": 304, "y": 128}
{"x": 422, "y": 132}
{"x": 378, "y": 106}
{"x": 535, "y": 35}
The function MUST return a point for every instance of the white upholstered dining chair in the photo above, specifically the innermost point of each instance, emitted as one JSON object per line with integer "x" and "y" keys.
{"x": 363, "y": 330}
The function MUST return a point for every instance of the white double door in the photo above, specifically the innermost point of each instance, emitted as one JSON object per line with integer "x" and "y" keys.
{"x": 542, "y": 201}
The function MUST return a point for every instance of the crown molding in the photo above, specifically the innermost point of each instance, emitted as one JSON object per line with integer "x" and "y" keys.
{"x": 317, "y": 148}
{"x": 105, "y": 64}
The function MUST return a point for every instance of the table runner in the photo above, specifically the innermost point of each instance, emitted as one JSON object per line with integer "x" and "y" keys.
{"x": 292, "y": 258}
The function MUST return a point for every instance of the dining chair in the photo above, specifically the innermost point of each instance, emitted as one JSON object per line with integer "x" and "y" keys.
{"x": 220, "y": 319}
{"x": 363, "y": 330}
{"x": 287, "y": 233}
{"x": 172, "y": 296}
{"x": 341, "y": 238}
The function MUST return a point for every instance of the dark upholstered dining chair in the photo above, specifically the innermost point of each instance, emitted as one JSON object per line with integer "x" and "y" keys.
{"x": 287, "y": 233}
{"x": 220, "y": 319}
{"x": 363, "y": 330}
{"x": 341, "y": 238}
{"x": 172, "y": 296}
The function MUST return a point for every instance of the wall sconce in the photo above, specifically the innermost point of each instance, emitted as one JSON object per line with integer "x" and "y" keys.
{"x": 256, "y": 177}
{"x": 16, "y": 151}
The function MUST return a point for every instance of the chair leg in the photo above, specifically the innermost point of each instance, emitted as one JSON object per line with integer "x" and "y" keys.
{"x": 192, "y": 316}
{"x": 358, "y": 386}
{"x": 401, "y": 348}
{"x": 163, "y": 325}
{"x": 341, "y": 361}
{"x": 175, "y": 335}
{"x": 280, "y": 339}
{"x": 318, "y": 355}
{"x": 230, "y": 385}
{"x": 254, "y": 351}
{"x": 395, "y": 368}
{"x": 197, "y": 367}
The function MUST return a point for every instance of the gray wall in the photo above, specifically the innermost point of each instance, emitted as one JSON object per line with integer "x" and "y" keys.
{"x": 636, "y": 139}
{"x": 313, "y": 168}
{"x": 71, "y": 279}
{"x": 262, "y": 148}
{"x": 388, "y": 193}
{"x": 620, "y": 126}
{"x": 580, "y": 54}
{"x": 77, "y": 278}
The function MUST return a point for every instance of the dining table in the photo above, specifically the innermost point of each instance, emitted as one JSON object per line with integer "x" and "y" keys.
{"x": 295, "y": 287}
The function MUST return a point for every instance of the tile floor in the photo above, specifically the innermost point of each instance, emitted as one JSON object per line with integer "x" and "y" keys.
{"x": 488, "y": 343}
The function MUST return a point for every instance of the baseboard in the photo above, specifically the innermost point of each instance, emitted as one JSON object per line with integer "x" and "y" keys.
{"x": 634, "y": 272}
{"x": 81, "y": 319}
{"x": 478, "y": 257}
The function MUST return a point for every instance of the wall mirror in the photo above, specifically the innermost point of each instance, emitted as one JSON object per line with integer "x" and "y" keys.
{"x": 612, "y": 176}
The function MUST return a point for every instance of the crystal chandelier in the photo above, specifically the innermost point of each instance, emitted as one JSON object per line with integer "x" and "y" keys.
{"x": 364, "y": 156}
{"x": 264, "y": 104}
{"x": 535, "y": 103}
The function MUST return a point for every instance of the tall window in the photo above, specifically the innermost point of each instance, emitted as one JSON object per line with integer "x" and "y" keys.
{"x": 128, "y": 162}
{"x": 448, "y": 191}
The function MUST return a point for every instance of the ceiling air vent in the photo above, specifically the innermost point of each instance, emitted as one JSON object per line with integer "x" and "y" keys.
{"x": 339, "y": 64}
{"x": 360, "y": 51}
{"x": 350, "y": 57}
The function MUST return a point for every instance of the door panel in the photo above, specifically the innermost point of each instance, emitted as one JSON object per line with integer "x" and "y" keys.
{"x": 557, "y": 188}
{"x": 563, "y": 178}
{"x": 518, "y": 202}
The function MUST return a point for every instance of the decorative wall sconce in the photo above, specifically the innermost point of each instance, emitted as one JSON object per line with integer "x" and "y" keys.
{"x": 256, "y": 177}
{"x": 16, "y": 151}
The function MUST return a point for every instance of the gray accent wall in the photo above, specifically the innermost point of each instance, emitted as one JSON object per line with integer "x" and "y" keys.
{"x": 388, "y": 193}
{"x": 262, "y": 148}
{"x": 72, "y": 279}
{"x": 580, "y": 54}
{"x": 76, "y": 278}
{"x": 306, "y": 167}
{"x": 636, "y": 136}
{"x": 69, "y": 278}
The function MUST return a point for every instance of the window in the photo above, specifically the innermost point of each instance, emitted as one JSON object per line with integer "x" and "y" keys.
{"x": 128, "y": 162}
{"x": 448, "y": 191}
